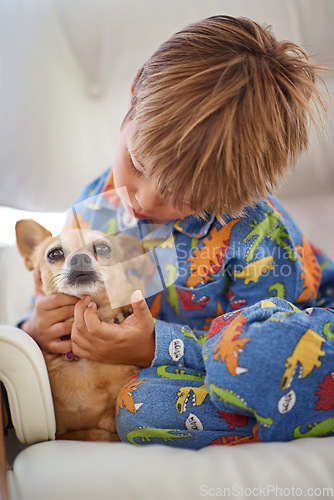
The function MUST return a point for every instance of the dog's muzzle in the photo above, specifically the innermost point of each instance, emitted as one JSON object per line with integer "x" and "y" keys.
{"x": 81, "y": 270}
{"x": 80, "y": 262}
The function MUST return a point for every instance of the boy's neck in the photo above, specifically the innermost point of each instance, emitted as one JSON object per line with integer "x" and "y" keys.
{"x": 157, "y": 221}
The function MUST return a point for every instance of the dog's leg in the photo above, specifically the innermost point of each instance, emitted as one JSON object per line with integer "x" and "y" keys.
{"x": 107, "y": 421}
{"x": 90, "y": 435}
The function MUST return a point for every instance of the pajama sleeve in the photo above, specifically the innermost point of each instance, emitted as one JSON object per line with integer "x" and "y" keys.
{"x": 178, "y": 345}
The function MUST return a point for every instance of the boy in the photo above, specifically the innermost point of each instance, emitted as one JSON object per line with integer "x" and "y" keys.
{"x": 237, "y": 350}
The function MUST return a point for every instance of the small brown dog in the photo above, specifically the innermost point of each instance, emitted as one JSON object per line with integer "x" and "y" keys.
{"x": 85, "y": 262}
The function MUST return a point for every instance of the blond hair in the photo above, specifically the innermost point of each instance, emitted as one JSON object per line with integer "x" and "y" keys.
{"x": 222, "y": 109}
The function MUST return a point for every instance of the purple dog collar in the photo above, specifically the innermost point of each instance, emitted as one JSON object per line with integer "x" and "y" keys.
{"x": 69, "y": 356}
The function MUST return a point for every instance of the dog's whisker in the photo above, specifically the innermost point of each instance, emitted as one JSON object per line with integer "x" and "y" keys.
{"x": 57, "y": 278}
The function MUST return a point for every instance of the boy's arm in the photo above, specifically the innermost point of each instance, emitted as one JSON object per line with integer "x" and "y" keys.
{"x": 269, "y": 257}
{"x": 178, "y": 345}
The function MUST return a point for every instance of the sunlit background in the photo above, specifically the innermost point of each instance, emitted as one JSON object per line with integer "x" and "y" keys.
{"x": 53, "y": 221}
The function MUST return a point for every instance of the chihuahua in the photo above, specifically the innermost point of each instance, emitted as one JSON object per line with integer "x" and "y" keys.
{"x": 85, "y": 262}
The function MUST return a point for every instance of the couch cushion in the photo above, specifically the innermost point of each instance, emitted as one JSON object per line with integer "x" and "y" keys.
{"x": 77, "y": 470}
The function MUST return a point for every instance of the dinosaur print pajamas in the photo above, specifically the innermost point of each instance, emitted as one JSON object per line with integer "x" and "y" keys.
{"x": 244, "y": 327}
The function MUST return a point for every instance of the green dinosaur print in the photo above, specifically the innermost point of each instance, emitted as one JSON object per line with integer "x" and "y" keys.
{"x": 293, "y": 307}
{"x": 112, "y": 226}
{"x": 234, "y": 399}
{"x": 324, "y": 264}
{"x": 277, "y": 234}
{"x": 269, "y": 227}
{"x": 146, "y": 434}
{"x": 328, "y": 330}
{"x": 172, "y": 298}
{"x": 93, "y": 206}
{"x": 188, "y": 333}
{"x": 193, "y": 242}
{"x": 279, "y": 288}
{"x": 178, "y": 373}
{"x": 260, "y": 230}
{"x": 315, "y": 429}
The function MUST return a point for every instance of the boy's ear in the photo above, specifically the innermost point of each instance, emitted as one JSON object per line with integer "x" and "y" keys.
{"x": 29, "y": 234}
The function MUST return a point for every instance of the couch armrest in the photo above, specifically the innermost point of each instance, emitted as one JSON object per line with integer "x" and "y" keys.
{"x": 16, "y": 286}
{"x": 24, "y": 375}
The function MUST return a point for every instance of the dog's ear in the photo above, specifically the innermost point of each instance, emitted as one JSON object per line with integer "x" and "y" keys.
{"x": 134, "y": 254}
{"x": 29, "y": 234}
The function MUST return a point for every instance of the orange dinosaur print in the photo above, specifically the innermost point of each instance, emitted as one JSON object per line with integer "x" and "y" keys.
{"x": 209, "y": 260}
{"x": 311, "y": 271}
{"x": 273, "y": 206}
{"x": 230, "y": 345}
{"x": 125, "y": 397}
{"x": 156, "y": 305}
{"x": 75, "y": 221}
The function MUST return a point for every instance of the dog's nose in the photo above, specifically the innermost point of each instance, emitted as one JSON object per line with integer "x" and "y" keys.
{"x": 80, "y": 262}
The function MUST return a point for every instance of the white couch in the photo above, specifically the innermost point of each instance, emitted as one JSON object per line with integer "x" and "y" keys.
{"x": 66, "y": 68}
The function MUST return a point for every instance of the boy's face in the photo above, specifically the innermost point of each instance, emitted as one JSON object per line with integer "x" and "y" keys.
{"x": 146, "y": 203}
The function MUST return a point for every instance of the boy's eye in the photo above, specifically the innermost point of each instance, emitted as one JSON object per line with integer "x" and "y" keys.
{"x": 102, "y": 249}
{"x": 135, "y": 166}
{"x": 56, "y": 254}
{"x": 137, "y": 172}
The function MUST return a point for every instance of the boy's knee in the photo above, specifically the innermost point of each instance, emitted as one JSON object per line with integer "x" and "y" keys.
{"x": 232, "y": 335}
{"x": 149, "y": 401}
{"x": 272, "y": 361}
{"x": 270, "y": 345}
{"x": 164, "y": 404}
{"x": 260, "y": 342}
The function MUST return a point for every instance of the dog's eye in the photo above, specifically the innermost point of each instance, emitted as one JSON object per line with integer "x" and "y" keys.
{"x": 56, "y": 254}
{"x": 102, "y": 249}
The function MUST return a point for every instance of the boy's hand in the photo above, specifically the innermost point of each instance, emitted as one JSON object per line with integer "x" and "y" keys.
{"x": 131, "y": 342}
{"x": 48, "y": 324}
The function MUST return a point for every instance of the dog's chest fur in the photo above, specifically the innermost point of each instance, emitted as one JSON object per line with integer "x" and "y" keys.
{"x": 84, "y": 392}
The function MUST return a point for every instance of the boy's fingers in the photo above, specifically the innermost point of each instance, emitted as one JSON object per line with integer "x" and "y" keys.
{"x": 38, "y": 281}
{"x": 79, "y": 311}
{"x": 140, "y": 307}
{"x": 60, "y": 347}
{"x": 91, "y": 318}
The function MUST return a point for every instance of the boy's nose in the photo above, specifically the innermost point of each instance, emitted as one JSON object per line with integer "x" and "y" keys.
{"x": 148, "y": 199}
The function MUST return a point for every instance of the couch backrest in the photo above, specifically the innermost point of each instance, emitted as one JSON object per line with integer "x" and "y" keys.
{"x": 66, "y": 68}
